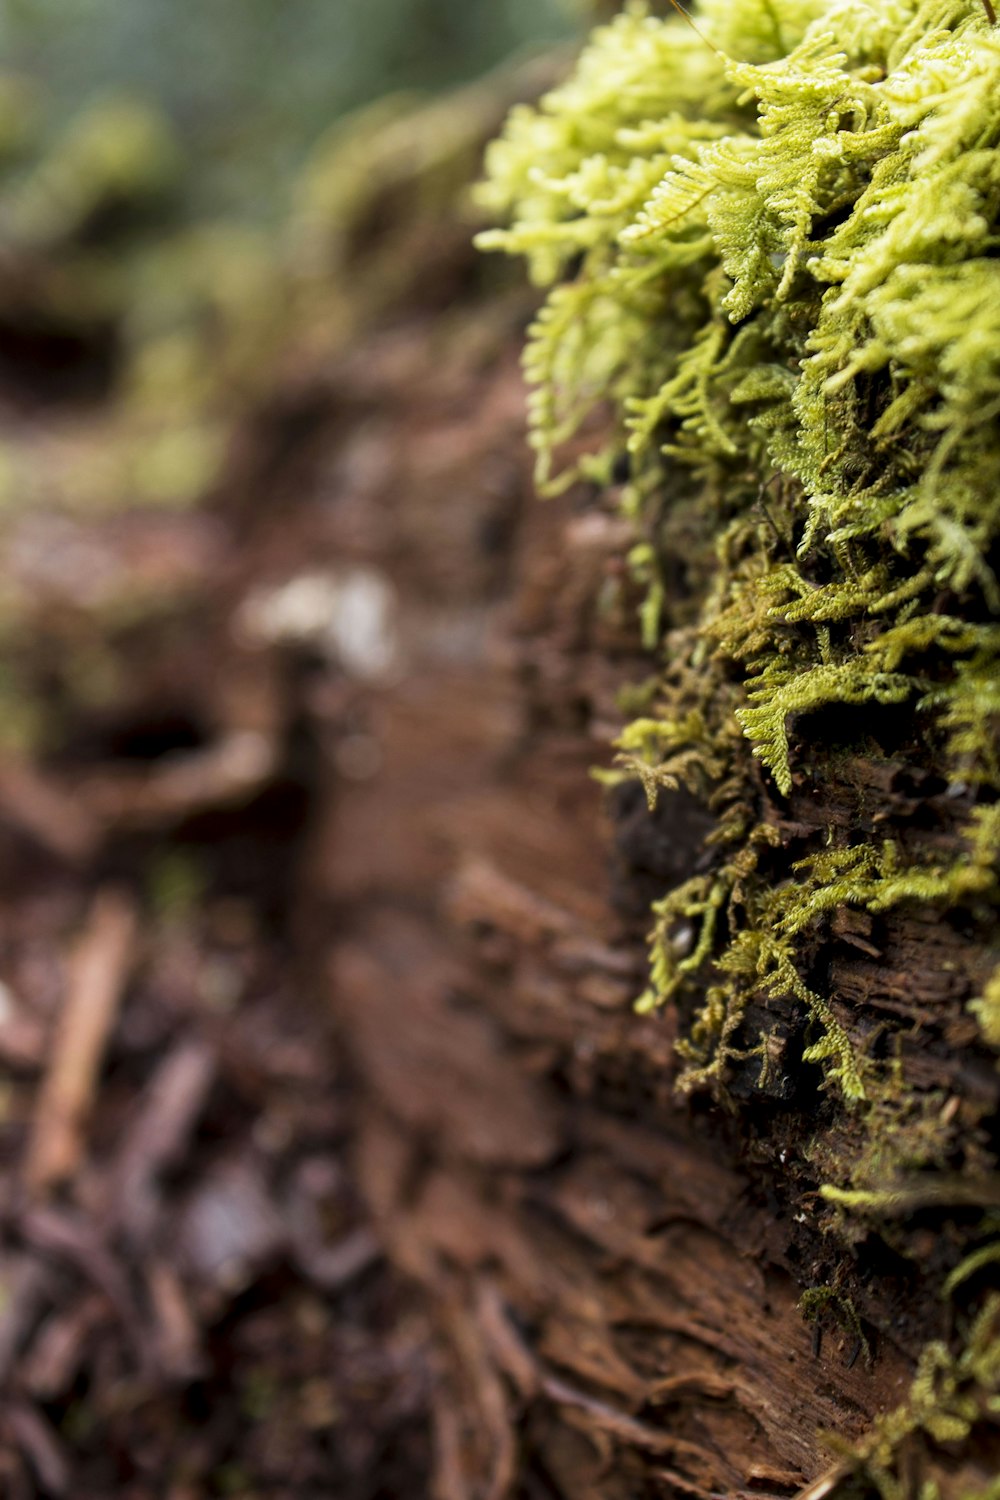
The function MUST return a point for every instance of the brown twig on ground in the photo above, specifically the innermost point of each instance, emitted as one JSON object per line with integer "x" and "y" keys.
{"x": 224, "y": 773}
{"x": 39, "y": 1442}
{"x": 96, "y": 980}
{"x": 50, "y": 1364}
{"x": 26, "y": 1284}
{"x": 177, "y": 1338}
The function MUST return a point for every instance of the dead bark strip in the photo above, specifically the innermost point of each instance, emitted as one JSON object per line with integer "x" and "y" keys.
{"x": 95, "y": 983}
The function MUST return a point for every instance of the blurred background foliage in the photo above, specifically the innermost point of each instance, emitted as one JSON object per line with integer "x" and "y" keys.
{"x": 198, "y": 198}
{"x": 174, "y": 174}
{"x": 249, "y": 85}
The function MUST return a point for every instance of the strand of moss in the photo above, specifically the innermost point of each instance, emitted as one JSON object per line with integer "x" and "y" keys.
{"x": 951, "y": 1396}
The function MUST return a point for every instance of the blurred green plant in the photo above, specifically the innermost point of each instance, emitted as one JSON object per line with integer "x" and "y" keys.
{"x": 143, "y": 314}
{"x": 252, "y": 83}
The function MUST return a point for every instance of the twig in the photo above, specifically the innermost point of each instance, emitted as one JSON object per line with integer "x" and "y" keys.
{"x": 97, "y": 976}
{"x": 27, "y": 1286}
{"x": 49, "y": 1366}
{"x": 178, "y": 1354}
{"x": 222, "y": 774}
{"x": 68, "y": 1237}
{"x": 40, "y": 1445}
{"x": 827, "y": 1482}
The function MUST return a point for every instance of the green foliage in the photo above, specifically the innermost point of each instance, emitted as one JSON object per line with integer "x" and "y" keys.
{"x": 251, "y": 84}
{"x": 987, "y": 1010}
{"x": 822, "y": 1301}
{"x": 771, "y": 245}
{"x": 986, "y": 1255}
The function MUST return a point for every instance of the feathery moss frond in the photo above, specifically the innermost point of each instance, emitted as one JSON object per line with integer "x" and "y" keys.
{"x": 775, "y": 254}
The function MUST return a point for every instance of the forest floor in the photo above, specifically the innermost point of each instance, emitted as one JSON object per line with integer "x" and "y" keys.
{"x": 195, "y": 1302}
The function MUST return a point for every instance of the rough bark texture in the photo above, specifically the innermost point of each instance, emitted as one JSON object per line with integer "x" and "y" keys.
{"x": 612, "y": 1275}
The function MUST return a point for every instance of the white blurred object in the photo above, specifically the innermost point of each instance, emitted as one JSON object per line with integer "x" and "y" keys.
{"x": 349, "y": 616}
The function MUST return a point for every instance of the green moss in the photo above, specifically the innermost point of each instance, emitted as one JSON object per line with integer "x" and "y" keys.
{"x": 950, "y": 1396}
{"x": 820, "y": 1302}
{"x": 770, "y": 242}
{"x": 772, "y": 249}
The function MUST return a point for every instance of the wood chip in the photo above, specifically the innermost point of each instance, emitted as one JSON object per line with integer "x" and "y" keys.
{"x": 174, "y": 1100}
{"x": 96, "y": 981}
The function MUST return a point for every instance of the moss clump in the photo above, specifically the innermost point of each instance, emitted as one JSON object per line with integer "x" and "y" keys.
{"x": 770, "y": 240}
{"x": 772, "y": 244}
{"x": 951, "y": 1396}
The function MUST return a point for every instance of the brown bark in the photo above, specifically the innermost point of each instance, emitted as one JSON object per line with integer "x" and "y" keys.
{"x": 611, "y": 1275}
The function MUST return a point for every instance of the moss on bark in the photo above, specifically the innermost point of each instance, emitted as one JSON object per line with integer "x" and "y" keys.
{"x": 770, "y": 239}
